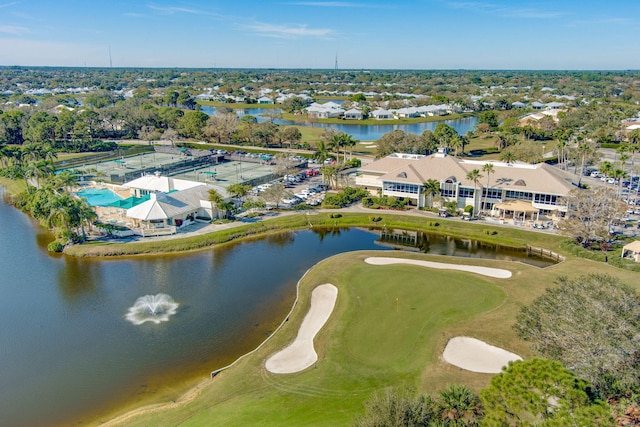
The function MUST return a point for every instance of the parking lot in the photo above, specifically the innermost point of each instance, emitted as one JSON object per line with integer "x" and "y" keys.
{"x": 303, "y": 187}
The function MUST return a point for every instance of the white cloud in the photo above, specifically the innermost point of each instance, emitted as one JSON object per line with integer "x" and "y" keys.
{"x": 8, "y": 4}
{"x": 288, "y": 31}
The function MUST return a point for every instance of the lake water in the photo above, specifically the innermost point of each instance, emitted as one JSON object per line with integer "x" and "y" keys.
{"x": 362, "y": 132}
{"x": 68, "y": 354}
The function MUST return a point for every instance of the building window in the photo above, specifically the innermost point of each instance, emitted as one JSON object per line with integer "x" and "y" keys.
{"x": 466, "y": 192}
{"x": 519, "y": 195}
{"x": 401, "y": 187}
{"x": 448, "y": 189}
{"x": 546, "y": 199}
{"x": 492, "y": 193}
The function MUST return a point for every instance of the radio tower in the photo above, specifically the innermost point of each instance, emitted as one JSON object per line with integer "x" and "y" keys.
{"x": 110, "y": 62}
{"x": 336, "y": 65}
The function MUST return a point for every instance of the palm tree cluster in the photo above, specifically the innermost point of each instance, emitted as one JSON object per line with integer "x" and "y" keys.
{"x": 56, "y": 208}
{"x": 47, "y": 197}
{"x": 336, "y": 142}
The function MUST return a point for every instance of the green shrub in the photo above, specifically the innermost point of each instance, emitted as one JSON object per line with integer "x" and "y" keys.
{"x": 375, "y": 218}
{"x": 489, "y": 232}
{"x": 335, "y": 215}
{"x": 55, "y": 246}
{"x": 344, "y": 198}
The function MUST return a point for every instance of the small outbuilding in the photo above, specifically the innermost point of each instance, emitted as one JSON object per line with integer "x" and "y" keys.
{"x": 632, "y": 249}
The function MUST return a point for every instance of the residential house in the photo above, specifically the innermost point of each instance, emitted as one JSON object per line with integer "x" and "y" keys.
{"x": 328, "y": 110}
{"x": 263, "y": 100}
{"x": 381, "y": 114}
{"x": 353, "y": 114}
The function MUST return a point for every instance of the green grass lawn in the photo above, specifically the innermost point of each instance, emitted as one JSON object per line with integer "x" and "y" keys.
{"x": 310, "y": 134}
{"x": 388, "y": 328}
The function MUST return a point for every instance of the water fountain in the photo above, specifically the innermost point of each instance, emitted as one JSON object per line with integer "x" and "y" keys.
{"x": 152, "y": 308}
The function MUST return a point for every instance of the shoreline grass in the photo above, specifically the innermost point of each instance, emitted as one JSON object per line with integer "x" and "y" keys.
{"x": 493, "y": 235}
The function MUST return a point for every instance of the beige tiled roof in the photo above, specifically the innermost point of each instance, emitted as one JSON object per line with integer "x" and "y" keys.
{"x": 540, "y": 178}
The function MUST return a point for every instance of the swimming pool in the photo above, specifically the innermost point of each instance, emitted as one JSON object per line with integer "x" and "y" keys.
{"x": 99, "y": 196}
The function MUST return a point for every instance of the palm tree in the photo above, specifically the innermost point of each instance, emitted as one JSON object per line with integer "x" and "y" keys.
{"x": 334, "y": 145}
{"x": 488, "y": 169}
{"x": 65, "y": 180}
{"x": 59, "y": 215}
{"x": 349, "y": 142}
{"x": 432, "y": 189}
{"x": 82, "y": 214}
{"x": 606, "y": 168}
{"x": 585, "y": 149}
{"x": 619, "y": 175}
{"x": 634, "y": 141}
{"x": 330, "y": 175}
{"x": 226, "y": 207}
{"x": 474, "y": 175}
{"x": 322, "y": 153}
{"x": 238, "y": 190}
{"x": 459, "y": 406}
{"x": 508, "y": 157}
{"x": 215, "y": 198}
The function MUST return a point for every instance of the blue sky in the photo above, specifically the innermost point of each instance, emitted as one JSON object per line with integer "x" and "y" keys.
{"x": 410, "y": 34}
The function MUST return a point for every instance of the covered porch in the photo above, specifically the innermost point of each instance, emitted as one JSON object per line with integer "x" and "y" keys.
{"x": 519, "y": 212}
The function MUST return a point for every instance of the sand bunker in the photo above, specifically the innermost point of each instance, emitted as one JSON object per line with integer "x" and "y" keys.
{"x": 301, "y": 354}
{"x": 485, "y": 271}
{"x": 477, "y": 356}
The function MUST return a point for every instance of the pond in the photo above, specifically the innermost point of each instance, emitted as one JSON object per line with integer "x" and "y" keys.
{"x": 362, "y": 132}
{"x": 70, "y": 350}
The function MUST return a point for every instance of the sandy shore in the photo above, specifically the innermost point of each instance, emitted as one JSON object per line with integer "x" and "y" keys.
{"x": 485, "y": 271}
{"x": 477, "y": 356}
{"x": 301, "y": 354}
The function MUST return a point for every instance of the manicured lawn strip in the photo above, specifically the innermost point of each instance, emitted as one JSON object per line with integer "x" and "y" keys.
{"x": 367, "y": 344}
{"x": 503, "y": 236}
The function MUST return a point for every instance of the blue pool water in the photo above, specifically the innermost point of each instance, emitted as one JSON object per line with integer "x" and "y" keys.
{"x": 99, "y": 196}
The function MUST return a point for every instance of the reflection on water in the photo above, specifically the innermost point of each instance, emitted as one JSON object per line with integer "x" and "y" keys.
{"x": 437, "y": 244}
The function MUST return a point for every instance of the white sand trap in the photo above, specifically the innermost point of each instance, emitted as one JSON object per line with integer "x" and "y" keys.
{"x": 366, "y": 142}
{"x": 485, "y": 271}
{"x": 301, "y": 354}
{"x": 477, "y": 356}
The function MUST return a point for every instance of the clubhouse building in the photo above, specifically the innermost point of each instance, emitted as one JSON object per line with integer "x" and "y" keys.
{"x": 519, "y": 191}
